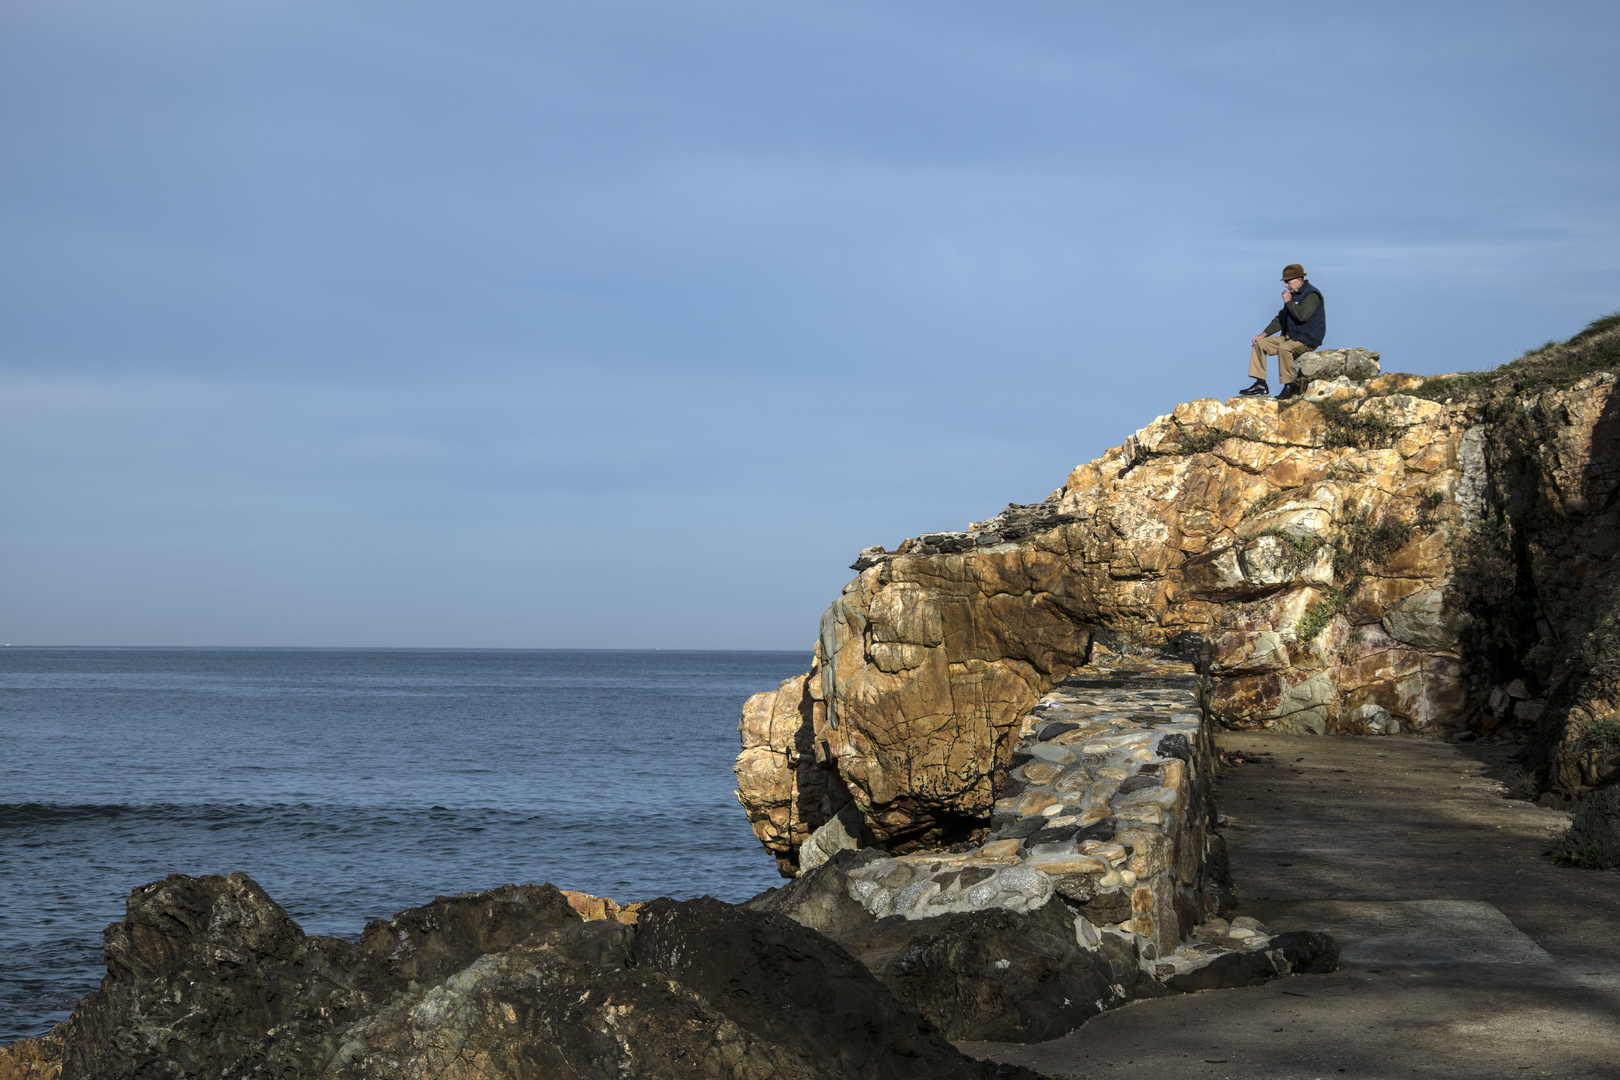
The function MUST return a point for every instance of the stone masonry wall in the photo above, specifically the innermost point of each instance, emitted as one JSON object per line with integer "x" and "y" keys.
{"x": 1107, "y": 805}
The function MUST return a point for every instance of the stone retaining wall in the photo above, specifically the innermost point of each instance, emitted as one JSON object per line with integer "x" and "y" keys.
{"x": 1102, "y": 866}
{"x": 1107, "y": 805}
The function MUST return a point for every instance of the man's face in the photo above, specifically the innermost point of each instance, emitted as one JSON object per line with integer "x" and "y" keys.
{"x": 1293, "y": 284}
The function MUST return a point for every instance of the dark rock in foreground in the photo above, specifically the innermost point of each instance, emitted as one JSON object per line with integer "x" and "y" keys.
{"x": 820, "y": 899}
{"x": 1298, "y": 952}
{"x": 1007, "y": 976}
{"x": 209, "y": 977}
{"x": 991, "y": 976}
{"x": 999, "y": 975}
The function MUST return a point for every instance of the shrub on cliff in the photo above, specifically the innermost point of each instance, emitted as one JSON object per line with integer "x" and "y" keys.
{"x": 1359, "y": 430}
{"x": 1593, "y": 839}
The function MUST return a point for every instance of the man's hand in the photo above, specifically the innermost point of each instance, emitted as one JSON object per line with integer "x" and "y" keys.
{"x": 1256, "y": 339}
{"x": 1287, "y": 296}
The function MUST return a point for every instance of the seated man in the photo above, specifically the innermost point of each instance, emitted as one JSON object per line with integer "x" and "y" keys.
{"x": 1302, "y": 322}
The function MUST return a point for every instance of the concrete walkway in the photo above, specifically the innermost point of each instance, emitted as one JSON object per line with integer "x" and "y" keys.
{"x": 1466, "y": 953}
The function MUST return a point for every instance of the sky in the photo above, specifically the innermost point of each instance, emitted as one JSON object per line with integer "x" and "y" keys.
{"x": 628, "y": 324}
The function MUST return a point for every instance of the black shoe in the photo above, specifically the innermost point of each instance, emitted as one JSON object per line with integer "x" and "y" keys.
{"x": 1259, "y": 389}
{"x": 1288, "y": 391}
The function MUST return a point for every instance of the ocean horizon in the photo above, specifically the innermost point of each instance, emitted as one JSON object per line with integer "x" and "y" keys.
{"x": 352, "y": 783}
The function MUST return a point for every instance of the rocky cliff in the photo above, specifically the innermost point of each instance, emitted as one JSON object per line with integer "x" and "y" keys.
{"x": 1388, "y": 554}
{"x": 1539, "y": 575}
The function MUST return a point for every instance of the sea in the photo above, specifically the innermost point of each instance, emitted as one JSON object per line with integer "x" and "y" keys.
{"x": 355, "y": 783}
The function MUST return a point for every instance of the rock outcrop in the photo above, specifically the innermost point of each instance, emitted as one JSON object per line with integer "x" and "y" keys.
{"x": 1001, "y": 975}
{"x": 994, "y": 974}
{"x": 1312, "y": 544}
{"x": 1387, "y": 554}
{"x": 1537, "y": 570}
{"x": 32, "y": 1059}
{"x": 1541, "y": 572}
{"x": 208, "y": 977}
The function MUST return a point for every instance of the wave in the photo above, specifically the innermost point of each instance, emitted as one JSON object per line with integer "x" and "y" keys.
{"x": 35, "y": 815}
{"x": 26, "y": 815}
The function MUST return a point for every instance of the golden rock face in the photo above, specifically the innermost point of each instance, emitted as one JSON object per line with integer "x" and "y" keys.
{"x": 1312, "y": 546}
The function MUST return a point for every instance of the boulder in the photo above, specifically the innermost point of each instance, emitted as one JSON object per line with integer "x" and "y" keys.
{"x": 821, "y": 898}
{"x": 1298, "y": 952}
{"x": 1358, "y": 365}
{"x": 1001, "y": 975}
{"x": 1249, "y": 968}
{"x": 996, "y": 974}
{"x": 787, "y": 988}
{"x": 209, "y": 977}
{"x": 1308, "y": 952}
{"x": 844, "y": 831}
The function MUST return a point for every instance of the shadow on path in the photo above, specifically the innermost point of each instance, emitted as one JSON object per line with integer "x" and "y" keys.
{"x": 1466, "y": 953}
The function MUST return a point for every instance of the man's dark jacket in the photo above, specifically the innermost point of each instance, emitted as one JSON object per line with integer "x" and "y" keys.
{"x": 1304, "y": 318}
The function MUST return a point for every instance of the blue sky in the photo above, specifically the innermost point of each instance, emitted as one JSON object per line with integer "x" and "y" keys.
{"x": 628, "y": 324}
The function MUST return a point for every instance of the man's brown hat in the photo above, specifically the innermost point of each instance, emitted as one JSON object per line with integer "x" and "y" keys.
{"x": 1292, "y": 271}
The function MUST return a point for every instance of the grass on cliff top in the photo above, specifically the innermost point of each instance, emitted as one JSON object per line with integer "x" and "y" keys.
{"x": 1556, "y": 364}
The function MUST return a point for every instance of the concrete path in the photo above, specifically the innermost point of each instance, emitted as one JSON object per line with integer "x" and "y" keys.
{"x": 1466, "y": 953}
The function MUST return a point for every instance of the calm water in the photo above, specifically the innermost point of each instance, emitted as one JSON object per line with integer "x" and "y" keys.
{"x": 354, "y": 783}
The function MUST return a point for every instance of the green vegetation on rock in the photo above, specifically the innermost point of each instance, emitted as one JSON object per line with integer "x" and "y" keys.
{"x": 1556, "y": 364}
{"x": 1263, "y": 503}
{"x": 1322, "y": 612}
{"x": 1299, "y": 546}
{"x": 1358, "y": 430}
{"x": 1593, "y": 839}
{"x": 1205, "y": 441}
{"x": 1604, "y": 734}
{"x": 1363, "y": 546}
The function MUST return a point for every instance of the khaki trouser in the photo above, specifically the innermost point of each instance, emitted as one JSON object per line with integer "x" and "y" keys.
{"x": 1284, "y": 350}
